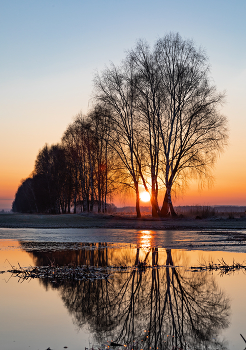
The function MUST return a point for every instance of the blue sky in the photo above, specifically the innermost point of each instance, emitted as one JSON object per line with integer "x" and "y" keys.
{"x": 50, "y": 51}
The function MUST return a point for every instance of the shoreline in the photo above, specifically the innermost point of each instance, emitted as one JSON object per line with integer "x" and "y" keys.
{"x": 180, "y": 233}
{"x": 45, "y": 221}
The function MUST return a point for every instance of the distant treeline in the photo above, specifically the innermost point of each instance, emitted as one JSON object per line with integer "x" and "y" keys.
{"x": 216, "y": 208}
{"x": 80, "y": 171}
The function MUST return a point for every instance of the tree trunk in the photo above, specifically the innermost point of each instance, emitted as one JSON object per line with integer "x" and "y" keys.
{"x": 154, "y": 203}
{"x": 106, "y": 182}
{"x": 75, "y": 191}
{"x": 62, "y": 204}
{"x": 91, "y": 204}
{"x": 92, "y": 188}
{"x": 165, "y": 206}
{"x": 99, "y": 208}
{"x": 137, "y": 201}
{"x": 170, "y": 204}
{"x": 154, "y": 208}
{"x": 84, "y": 205}
{"x": 172, "y": 211}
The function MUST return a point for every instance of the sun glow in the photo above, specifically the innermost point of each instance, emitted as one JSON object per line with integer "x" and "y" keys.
{"x": 145, "y": 196}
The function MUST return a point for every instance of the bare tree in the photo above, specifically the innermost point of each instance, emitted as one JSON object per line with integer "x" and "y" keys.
{"x": 71, "y": 142}
{"x": 86, "y": 143}
{"x": 115, "y": 89}
{"x": 149, "y": 107}
{"x": 99, "y": 119}
{"x": 166, "y": 119}
{"x": 192, "y": 130}
{"x": 179, "y": 108}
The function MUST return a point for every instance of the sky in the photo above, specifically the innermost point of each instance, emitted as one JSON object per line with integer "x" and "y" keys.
{"x": 51, "y": 50}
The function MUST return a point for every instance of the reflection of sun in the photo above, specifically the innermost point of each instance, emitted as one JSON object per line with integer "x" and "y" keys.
{"x": 145, "y": 240}
{"x": 145, "y": 196}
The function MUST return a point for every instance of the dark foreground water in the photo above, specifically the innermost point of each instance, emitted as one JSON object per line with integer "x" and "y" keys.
{"x": 152, "y": 299}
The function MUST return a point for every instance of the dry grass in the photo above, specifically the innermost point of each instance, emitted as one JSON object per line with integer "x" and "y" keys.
{"x": 116, "y": 221}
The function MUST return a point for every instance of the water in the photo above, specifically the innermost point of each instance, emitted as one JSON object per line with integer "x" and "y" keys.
{"x": 206, "y": 240}
{"x": 163, "y": 305}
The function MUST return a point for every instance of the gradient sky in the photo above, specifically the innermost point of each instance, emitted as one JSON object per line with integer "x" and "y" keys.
{"x": 50, "y": 51}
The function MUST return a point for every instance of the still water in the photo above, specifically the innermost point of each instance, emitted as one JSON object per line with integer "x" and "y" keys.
{"x": 161, "y": 304}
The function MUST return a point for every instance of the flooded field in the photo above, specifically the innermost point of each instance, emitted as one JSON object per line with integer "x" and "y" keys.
{"x": 220, "y": 239}
{"x": 141, "y": 295}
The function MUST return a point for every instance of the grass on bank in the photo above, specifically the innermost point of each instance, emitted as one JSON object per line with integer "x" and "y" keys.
{"x": 129, "y": 221}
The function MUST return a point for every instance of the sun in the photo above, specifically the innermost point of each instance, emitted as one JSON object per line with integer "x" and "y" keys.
{"x": 144, "y": 196}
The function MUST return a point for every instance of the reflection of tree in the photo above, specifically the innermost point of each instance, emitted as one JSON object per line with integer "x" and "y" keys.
{"x": 193, "y": 306}
{"x": 157, "y": 308}
{"x": 91, "y": 254}
{"x": 172, "y": 308}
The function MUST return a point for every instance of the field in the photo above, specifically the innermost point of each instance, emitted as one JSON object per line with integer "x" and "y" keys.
{"x": 117, "y": 221}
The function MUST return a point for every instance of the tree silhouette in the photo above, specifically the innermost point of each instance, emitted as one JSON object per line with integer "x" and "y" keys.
{"x": 164, "y": 107}
{"x": 86, "y": 143}
{"x": 47, "y": 189}
{"x": 116, "y": 91}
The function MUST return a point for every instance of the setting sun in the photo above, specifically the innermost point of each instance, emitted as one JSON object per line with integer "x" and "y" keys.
{"x": 145, "y": 197}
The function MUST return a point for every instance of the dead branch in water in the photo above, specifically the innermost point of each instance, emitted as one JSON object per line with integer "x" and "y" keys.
{"x": 61, "y": 273}
{"x": 222, "y": 267}
{"x": 71, "y": 272}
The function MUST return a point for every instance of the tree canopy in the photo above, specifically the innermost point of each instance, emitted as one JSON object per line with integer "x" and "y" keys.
{"x": 166, "y": 113}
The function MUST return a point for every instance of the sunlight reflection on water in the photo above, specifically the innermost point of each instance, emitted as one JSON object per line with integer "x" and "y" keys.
{"x": 145, "y": 240}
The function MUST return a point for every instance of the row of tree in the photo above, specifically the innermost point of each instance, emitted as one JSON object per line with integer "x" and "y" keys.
{"x": 155, "y": 124}
{"x": 76, "y": 172}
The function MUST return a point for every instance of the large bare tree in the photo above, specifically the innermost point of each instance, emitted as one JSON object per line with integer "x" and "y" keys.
{"x": 167, "y": 93}
{"x": 193, "y": 132}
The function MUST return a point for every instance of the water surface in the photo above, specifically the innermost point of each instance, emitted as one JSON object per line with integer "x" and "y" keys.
{"x": 152, "y": 299}
{"x": 205, "y": 240}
